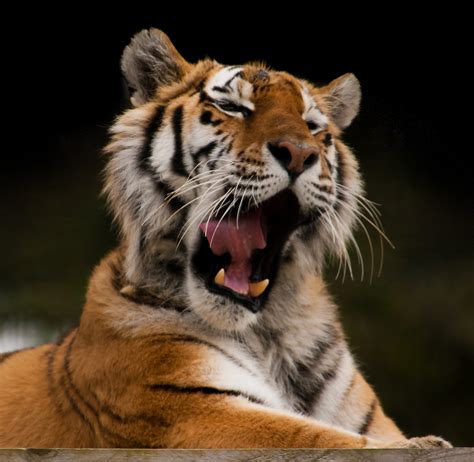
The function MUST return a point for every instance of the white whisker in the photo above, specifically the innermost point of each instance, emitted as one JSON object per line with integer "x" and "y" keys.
{"x": 225, "y": 213}
{"x": 241, "y": 201}
{"x": 373, "y": 219}
{"x": 351, "y": 237}
{"x": 200, "y": 215}
{"x": 198, "y": 198}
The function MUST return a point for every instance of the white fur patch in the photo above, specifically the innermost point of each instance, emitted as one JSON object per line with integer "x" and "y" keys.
{"x": 227, "y": 86}
{"x": 312, "y": 113}
{"x": 225, "y": 375}
{"x": 328, "y": 404}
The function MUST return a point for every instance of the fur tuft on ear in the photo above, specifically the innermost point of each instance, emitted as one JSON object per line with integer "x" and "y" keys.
{"x": 343, "y": 98}
{"x": 149, "y": 62}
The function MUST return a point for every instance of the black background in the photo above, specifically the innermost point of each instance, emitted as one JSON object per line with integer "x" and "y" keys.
{"x": 412, "y": 329}
{"x": 62, "y": 70}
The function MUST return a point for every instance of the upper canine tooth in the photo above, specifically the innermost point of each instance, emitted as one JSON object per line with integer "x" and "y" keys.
{"x": 257, "y": 288}
{"x": 220, "y": 276}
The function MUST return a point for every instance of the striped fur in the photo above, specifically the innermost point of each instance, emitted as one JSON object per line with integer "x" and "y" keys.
{"x": 160, "y": 360}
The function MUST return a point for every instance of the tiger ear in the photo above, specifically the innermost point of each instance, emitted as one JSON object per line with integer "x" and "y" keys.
{"x": 342, "y": 96}
{"x": 151, "y": 61}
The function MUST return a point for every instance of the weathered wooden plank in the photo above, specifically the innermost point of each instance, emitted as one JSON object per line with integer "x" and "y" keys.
{"x": 253, "y": 455}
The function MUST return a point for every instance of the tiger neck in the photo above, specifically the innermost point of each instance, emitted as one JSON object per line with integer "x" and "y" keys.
{"x": 154, "y": 272}
{"x": 160, "y": 281}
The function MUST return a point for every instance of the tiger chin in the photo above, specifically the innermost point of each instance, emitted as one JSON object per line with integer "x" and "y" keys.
{"x": 210, "y": 326}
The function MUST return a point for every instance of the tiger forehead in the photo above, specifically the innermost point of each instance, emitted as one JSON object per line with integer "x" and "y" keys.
{"x": 270, "y": 87}
{"x": 280, "y": 89}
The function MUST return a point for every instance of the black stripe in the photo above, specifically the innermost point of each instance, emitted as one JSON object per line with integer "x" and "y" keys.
{"x": 325, "y": 188}
{"x": 205, "y": 150}
{"x": 52, "y": 389}
{"x": 230, "y": 106}
{"x": 197, "y": 341}
{"x": 102, "y": 407}
{"x": 174, "y": 267}
{"x": 67, "y": 368}
{"x": 145, "y": 154}
{"x": 68, "y": 383}
{"x": 327, "y": 140}
{"x": 202, "y": 96}
{"x": 150, "y": 132}
{"x": 202, "y": 390}
{"x": 177, "y": 124}
{"x": 319, "y": 197}
{"x": 206, "y": 119}
{"x": 237, "y": 74}
{"x": 127, "y": 419}
{"x": 327, "y": 377}
{"x": 74, "y": 405}
{"x": 309, "y": 393}
{"x": 142, "y": 296}
{"x": 143, "y": 240}
{"x": 220, "y": 89}
{"x": 165, "y": 189}
{"x": 340, "y": 193}
{"x": 368, "y": 418}
{"x": 105, "y": 432}
{"x": 350, "y": 386}
{"x": 309, "y": 381}
{"x": 340, "y": 167}
{"x": 226, "y": 105}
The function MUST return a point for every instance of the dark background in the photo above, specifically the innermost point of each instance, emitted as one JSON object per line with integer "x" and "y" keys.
{"x": 412, "y": 329}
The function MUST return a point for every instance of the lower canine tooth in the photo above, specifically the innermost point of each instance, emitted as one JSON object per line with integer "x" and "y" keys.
{"x": 257, "y": 288}
{"x": 220, "y": 276}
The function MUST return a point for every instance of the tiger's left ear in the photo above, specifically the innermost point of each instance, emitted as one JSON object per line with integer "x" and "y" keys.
{"x": 342, "y": 96}
{"x": 149, "y": 62}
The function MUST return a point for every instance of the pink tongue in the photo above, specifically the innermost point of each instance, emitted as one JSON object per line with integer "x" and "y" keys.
{"x": 239, "y": 241}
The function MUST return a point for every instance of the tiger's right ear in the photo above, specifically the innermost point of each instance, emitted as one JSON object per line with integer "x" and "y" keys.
{"x": 151, "y": 61}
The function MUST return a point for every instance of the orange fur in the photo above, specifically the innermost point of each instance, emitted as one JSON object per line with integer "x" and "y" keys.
{"x": 95, "y": 389}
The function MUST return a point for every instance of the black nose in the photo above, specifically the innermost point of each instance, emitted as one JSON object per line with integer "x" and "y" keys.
{"x": 295, "y": 158}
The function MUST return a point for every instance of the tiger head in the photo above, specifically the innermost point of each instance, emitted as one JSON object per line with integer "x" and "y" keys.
{"x": 230, "y": 183}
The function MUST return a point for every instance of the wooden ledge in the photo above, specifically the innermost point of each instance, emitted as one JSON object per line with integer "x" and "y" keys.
{"x": 231, "y": 455}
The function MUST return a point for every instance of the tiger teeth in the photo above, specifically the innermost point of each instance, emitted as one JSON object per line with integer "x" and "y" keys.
{"x": 257, "y": 288}
{"x": 220, "y": 276}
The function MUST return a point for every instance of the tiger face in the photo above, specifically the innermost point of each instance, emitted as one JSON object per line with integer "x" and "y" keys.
{"x": 233, "y": 176}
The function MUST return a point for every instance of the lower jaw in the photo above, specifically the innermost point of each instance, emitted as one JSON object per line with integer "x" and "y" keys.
{"x": 254, "y": 305}
{"x": 220, "y": 312}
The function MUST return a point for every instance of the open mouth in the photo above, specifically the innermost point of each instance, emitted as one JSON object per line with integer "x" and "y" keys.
{"x": 238, "y": 256}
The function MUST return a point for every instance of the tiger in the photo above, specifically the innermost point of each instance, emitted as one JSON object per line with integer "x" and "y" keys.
{"x": 210, "y": 325}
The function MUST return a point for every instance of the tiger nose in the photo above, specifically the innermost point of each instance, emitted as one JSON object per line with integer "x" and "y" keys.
{"x": 294, "y": 158}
